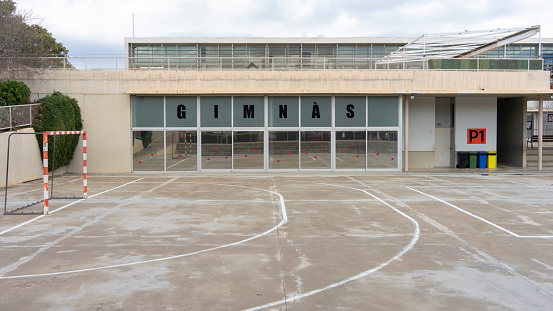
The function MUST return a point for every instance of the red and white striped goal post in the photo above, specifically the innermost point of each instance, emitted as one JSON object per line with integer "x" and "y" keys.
{"x": 45, "y": 162}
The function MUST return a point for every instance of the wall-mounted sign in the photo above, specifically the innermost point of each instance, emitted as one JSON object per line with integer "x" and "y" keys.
{"x": 550, "y": 117}
{"x": 528, "y": 125}
{"x": 476, "y": 136}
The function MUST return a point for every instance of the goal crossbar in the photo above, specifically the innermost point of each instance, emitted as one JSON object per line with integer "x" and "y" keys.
{"x": 46, "y": 198}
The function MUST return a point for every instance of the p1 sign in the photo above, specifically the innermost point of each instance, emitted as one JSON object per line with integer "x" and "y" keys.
{"x": 476, "y": 136}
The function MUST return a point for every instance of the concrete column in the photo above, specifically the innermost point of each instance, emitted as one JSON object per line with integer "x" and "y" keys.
{"x": 406, "y": 135}
{"x": 540, "y": 133}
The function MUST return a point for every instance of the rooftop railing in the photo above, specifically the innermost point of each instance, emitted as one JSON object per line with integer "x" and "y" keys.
{"x": 286, "y": 63}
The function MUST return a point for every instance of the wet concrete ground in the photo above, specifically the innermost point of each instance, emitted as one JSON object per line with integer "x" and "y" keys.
{"x": 295, "y": 241}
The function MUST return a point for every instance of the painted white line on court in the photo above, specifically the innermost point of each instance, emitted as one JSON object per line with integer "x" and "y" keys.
{"x": 59, "y": 209}
{"x": 41, "y": 184}
{"x": 482, "y": 219}
{"x": 362, "y": 274}
{"x": 282, "y": 222}
{"x": 482, "y": 253}
{"x": 180, "y": 161}
{"x": 76, "y": 230}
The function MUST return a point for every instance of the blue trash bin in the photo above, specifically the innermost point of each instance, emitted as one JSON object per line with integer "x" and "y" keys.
{"x": 482, "y": 159}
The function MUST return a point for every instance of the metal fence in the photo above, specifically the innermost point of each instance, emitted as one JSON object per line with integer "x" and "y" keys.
{"x": 159, "y": 62}
{"x": 14, "y": 117}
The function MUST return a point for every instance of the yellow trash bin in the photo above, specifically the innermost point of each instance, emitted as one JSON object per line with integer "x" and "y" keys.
{"x": 491, "y": 159}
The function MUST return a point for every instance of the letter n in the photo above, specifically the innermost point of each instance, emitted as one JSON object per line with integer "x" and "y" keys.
{"x": 282, "y": 111}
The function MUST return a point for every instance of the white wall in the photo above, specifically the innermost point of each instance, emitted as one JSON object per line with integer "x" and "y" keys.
{"x": 25, "y": 157}
{"x": 475, "y": 112}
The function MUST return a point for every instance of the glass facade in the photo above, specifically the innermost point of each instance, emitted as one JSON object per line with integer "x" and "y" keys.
{"x": 351, "y": 149}
{"x": 292, "y": 56}
{"x": 264, "y": 133}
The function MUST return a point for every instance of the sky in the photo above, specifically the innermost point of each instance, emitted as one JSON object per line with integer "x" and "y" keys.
{"x": 98, "y": 27}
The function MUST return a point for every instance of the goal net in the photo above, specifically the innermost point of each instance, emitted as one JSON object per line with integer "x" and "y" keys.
{"x": 23, "y": 193}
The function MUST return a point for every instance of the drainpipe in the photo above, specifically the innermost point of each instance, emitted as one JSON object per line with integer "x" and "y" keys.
{"x": 540, "y": 133}
{"x": 406, "y": 135}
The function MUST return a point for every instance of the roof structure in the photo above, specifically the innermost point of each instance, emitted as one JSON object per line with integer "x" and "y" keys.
{"x": 464, "y": 44}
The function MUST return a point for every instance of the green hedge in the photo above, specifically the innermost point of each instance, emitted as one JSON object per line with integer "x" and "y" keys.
{"x": 59, "y": 112}
{"x": 14, "y": 93}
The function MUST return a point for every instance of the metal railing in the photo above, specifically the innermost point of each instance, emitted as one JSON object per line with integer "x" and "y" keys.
{"x": 161, "y": 62}
{"x": 13, "y": 117}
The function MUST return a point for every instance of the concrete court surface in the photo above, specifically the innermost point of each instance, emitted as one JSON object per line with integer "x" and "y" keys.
{"x": 459, "y": 240}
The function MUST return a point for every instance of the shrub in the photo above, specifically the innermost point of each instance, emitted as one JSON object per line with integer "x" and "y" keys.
{"x": 14, "y": 93}
{"x": 58, "y": 112}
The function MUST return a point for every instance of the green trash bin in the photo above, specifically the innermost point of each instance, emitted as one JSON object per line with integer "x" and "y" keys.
{"x": 473, "y": 159}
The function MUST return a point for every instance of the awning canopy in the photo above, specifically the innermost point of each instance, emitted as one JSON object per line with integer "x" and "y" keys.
{"x": 464, "y": 44}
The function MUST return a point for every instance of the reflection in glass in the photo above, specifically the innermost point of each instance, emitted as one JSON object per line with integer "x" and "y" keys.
{"x": 283, "y": 150}
{"x": 248, "y": 150}
{"x": 382, "y": 149}
{"x": 148, "y": 150}
{"x": 315, "y": 150}
{"x": 181, "y": 150}
{"x": 350, "y": 149}
{"x": 217, "y": 150}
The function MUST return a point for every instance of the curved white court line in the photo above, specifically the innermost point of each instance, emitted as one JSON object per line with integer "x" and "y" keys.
{"x": 72, "y": 203}
{"x": 484, "y": 220}
{"x": 282, "y": 222}
{"x": 362, "y": 274}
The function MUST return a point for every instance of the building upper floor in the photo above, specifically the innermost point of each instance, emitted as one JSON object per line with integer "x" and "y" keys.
{"x": 319, "y": 53}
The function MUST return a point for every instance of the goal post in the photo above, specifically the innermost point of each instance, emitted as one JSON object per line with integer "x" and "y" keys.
{"x": 45, "y": 163}
{"x": 47, "y": 192}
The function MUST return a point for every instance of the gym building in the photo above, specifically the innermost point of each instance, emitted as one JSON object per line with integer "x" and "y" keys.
{"x": 310, "y": 104}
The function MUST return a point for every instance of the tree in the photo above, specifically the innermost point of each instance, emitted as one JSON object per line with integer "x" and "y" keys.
{"x": 59, "y": 112}
{"x": 24, "y": 46}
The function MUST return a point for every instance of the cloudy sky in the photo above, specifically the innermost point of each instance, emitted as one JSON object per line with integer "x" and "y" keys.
{"x": 95, "y": 27}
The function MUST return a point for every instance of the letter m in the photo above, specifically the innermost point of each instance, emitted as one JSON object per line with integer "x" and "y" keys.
{"x": 248, "y": 112}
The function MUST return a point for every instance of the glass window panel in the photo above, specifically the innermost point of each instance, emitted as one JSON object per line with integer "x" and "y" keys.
{"x": 350, "y": 149}
{"x": 215, "y": 111}
{"x": 294, "y": 50}
{"x": 181, "y": 150}
{"x": 316, "y": 111}
{"x": 148, "y": 150}
{"x": 283, "y": 150}
{"x": 383, "y": 111}
{"x": 350, "y": 111}
{"x": 283, "y": 111}
{"x": 257, "y": 50}
{"x": 147, "y": 111}
{"x": 217, "y": 150}
{"x": 240, "y": 50}
{"x": 248, "y": 150}
{"x": 315, "y": 150}
{"x": 382, "y": 149}
{"x": 249, "y": 111}
{"x": 325, "y": 51}
{"x": 181, "y": 111}
{"x": 279, "y": 51}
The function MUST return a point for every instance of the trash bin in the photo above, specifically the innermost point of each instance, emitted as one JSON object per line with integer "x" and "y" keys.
{"x": 473, "y": 159}
{"x": 482, "y": 159}
{"x": 462, "y": 159}
{"x": 491, "y": 159}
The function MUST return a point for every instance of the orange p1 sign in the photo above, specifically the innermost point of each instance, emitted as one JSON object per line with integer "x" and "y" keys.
{"x": 476, "y": 136}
